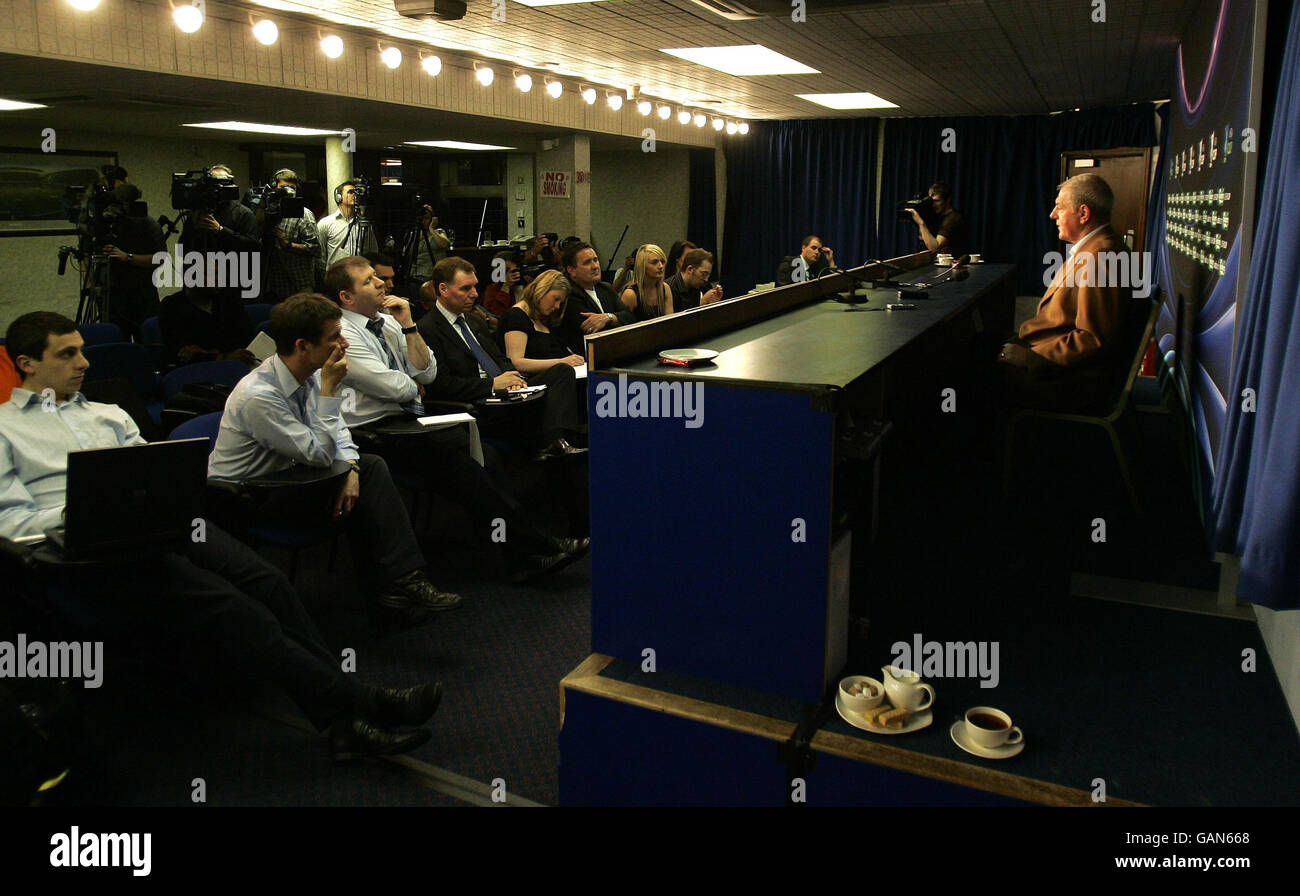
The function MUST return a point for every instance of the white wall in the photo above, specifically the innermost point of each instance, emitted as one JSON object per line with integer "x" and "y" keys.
{"x": 29, "y": 279}
{"x": 648, "y": 190}
{"x": 1281, "y": 633}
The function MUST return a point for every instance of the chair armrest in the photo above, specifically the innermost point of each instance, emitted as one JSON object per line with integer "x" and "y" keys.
{"x": 441, "y": 406}
{"x": 16, "y": 556}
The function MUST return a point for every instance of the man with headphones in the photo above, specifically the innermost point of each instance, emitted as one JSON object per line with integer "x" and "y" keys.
{"x": 343, "y": 233}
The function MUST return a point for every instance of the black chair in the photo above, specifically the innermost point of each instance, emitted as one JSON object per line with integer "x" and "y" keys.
{"x": 128, "y": 361}
{"x": 1116, "y": 421}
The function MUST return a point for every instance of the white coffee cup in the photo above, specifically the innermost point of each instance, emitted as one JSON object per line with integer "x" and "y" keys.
{"x": 975, "y": 258}
{"x": 906, "y": 690}
{"x": 991, "y": 728}
{"x": 943, "y": 258}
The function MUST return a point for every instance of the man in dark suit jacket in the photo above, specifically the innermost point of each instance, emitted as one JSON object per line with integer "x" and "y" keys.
{"x": 593, "y": 306}
{"x": 472, "y": 367}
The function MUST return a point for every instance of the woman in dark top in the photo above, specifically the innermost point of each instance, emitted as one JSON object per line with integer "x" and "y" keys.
{"x": 526, "y": 328}
{"x": 648, "y": 296}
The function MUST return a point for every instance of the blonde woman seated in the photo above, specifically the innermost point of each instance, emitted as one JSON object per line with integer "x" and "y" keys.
{"x": 648, "y": 296}
{"x": 526, "y": 328}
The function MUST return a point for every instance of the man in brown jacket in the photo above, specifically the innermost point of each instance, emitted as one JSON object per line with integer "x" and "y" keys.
{"x": 1060, "y": 358}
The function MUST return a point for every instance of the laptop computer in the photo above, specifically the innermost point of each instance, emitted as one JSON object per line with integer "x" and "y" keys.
{"x": 133, "y": 497}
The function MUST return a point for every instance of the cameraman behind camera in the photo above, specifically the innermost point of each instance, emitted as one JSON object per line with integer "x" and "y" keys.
{"x": 290, "y": 239}
{"x": 217, "y": 222}
{"x": 947, "y": 230}
{"x": 130, "y": 241}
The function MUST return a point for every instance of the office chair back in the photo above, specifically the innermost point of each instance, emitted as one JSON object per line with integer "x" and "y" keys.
{"x": 258, "y": 312}
{"x": 203, "y": 427}
{"x": 99, "y": 334}
{"x": 223, "y": 373}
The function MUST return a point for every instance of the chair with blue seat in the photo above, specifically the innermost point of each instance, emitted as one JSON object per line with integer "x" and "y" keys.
{"x": 223, "y": 373}
{"x": 129, "y": 361}
{"x": 264, "y": 327}
{"x": 237, "y": 507}
{"x": 151, "y": 331}
{"x": 258, "y": 312}
{"x": 100, "y": 334}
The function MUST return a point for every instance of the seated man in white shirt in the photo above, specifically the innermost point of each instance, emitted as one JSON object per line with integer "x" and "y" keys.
{"x": 387, "y": 358}
{"x": 215, "y": 603}
{"x": 287, "y": 412}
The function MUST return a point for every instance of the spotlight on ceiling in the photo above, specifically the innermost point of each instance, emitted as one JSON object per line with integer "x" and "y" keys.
{"x": 188, "y": 18}
{"x": 332, "y": 46}
{"x": 615, "y": 101}
{"x": 554, "y": 88}
{"x": 684, "y": 117}
{"x": 485, "y": 76}
{"x": 432, "y": 65}
{"x": 588, "y": 95}
{"x": 665, "y": 112}
{"x": 392, "y": 57}
{"x": 266, "y": 32}
{"x": 524, "y": 82}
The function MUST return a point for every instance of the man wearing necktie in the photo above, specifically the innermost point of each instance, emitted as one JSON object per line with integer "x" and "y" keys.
{"x": 387, "y": 358}
{"x": 471, "y": 367}
{"x": 288, "y": 412}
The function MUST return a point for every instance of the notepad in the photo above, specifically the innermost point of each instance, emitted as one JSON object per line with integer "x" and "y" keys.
{"x": 262, "y": 346}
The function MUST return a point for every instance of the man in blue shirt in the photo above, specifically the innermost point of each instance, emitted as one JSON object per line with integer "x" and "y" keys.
{"x": 289, "y": 412}
{"x": 221, "y": 607}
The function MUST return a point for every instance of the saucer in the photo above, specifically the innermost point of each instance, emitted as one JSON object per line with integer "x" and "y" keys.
{"x": 918, "y": 720}
{"x": 1006, "y": 751}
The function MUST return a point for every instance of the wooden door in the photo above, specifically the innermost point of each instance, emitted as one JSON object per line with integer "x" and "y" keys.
{"x": 1128, "y": 171}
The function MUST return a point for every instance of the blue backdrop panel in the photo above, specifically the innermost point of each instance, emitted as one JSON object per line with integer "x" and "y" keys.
{"x": 617, "y": 754}
{"x": 698, "y": 560}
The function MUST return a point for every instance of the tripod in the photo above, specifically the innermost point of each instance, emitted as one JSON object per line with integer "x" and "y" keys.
{"x": 96, "y": 288}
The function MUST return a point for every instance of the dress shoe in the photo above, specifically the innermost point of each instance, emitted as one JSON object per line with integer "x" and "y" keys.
{"x": 531, "y": 566}
{"x": 415, "y": 591}
{"x": 354, "y": 738}
{"x": 405, "y": 706}
{"x": 575, "y": 547}
{"x": 559, "y": 448}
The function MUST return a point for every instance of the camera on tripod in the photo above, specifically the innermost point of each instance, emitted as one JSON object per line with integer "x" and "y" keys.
{"x": 275, "y": 202}
{"x": 199, "y": 191}
{"x": 360, "y": 196}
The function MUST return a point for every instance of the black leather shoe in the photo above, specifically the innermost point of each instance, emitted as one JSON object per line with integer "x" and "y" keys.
{"x": 531, "y": 566}
{"x": 415, "y": 591}
{"x": 355, "y": 739}
{"x": 405, "y": 706}
{"x": 559, "y": 448}
{"x": 574, "y": 547}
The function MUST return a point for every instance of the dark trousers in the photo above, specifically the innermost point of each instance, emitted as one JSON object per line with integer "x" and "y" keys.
{"x": 221, "y": 609}
{"x": 442, "y": 458}
{"x": 379, "y": 529}
{"x": 559, "y": 409}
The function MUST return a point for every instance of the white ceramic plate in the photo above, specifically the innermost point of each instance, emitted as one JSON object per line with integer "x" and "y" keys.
{"x": 918, "y": 720}
{"x": 693, "y": 355}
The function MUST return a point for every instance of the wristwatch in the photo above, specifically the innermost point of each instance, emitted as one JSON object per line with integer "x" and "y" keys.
{"x": 356, "y": 467}
{"x": 407, "y": 331}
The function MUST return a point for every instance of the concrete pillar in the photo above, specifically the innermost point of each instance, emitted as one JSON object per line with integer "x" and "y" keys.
{"x": 567, "y": 161}
{"x": 338, "y": 166}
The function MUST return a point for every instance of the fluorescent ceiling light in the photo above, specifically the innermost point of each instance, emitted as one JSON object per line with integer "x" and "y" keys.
{"x": 253, "y": 128}
{"x": 847, "y": 100}
{"x": 14, "y": 105}
{"x": 747, "y": 60}
{"x": 454, "y": 144}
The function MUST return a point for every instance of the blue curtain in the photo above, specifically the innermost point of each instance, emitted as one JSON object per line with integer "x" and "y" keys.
{"x": 789, "y": 179}
{"x": 701, "y": 211}
{"x": 1003, "y": 171}
{"x": 1257, "y": 482}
